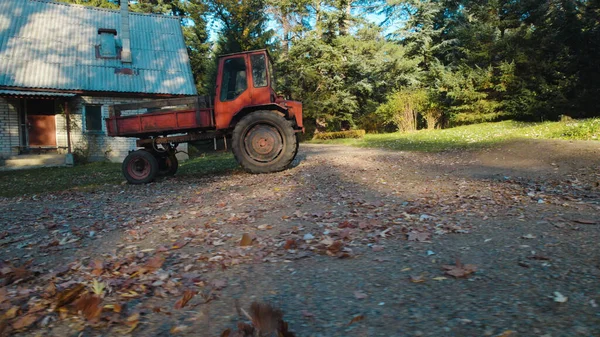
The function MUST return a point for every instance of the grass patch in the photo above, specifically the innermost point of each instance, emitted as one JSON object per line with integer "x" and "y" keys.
{"x": 92, "y": 176}
{"x": 476, "y": 136}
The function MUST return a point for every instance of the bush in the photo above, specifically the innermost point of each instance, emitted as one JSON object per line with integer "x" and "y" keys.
{"x": 358, "y": 134}
{"x": 587, "y": 129}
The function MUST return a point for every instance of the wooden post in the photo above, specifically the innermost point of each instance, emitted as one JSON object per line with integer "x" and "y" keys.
{"x": 68, "y": 117}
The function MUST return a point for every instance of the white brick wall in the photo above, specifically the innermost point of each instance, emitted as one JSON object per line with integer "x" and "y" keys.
{"x": 9, "y": 129}
{"x": 113, "y": 148}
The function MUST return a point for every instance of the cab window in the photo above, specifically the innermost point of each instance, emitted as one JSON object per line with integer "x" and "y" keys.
{"x": 234, "y": 81}
{"x": 259, "y": 70}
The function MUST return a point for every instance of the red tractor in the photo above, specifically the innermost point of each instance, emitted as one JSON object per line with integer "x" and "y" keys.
{"x": 261, "y": 126}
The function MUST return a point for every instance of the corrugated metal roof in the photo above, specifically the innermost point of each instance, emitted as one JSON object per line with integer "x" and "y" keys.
{"x": 33, "y": 93}
{"x": 53, "y": 46}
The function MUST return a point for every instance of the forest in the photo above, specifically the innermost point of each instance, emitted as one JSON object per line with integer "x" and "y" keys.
{"x": 391, "y": 65}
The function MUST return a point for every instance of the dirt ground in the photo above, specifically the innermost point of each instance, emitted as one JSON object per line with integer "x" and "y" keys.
{"x": 349, "y": 242}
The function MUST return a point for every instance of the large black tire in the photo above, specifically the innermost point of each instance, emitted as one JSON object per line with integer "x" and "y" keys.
{"x": 140, "y": 167}
{"x": 264, "y": 142}
{"x": 168, "y": 164}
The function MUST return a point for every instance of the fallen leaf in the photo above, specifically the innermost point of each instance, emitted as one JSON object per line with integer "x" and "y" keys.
{"x": 528, "y": 236}
{"x": 226, "y": 333}
{"x": 11, "y": 313}
{"x": 539, "y": 257}
{"x": 246, "y": 240}
{"x": 439, "y": 278}
{"x": 417, "y": 279}
{"x": 132, "y": 321}
{"x": 187, "y": 296}
{"x": 97, "y": 267}
{"x": 219, "y": 284}
{"x": 360, "y": 295}
{"x": 24, "y": 321}
{"x": 69, "y": 295}
{"x": 335, "y": 248}
{"x": 180, "y": 244}
{"x": 265, "y": 318}
{"x": 418, "y": 236}
{"x": 377, "y": 248}
{"x": 3, "y": 294}
{"x": 89, "y": 306}
{"x": 290, "y": 244}
{"x": 585, "y": 221}
{"x": 460, "y": 270}
{"x": 357, "y": 318}
{"x": 264, "y": 227}
{"x": 179, "y": 328}
{"x": 153, "y": 263}
{"x": 560, "y": 298}
{"x": 508, "y": 333}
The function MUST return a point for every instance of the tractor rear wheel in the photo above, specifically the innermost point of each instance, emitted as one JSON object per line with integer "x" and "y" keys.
{"x": 264, "y": 142}
{"x": 140, "y": 167}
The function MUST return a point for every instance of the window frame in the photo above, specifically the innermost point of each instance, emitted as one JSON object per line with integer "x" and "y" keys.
{"x": 223, "y": 89}
{"x": 85, "y": 119}
{"x": 264, "y": 70}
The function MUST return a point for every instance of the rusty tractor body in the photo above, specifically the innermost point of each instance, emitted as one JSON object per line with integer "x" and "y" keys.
{"x": 261, "y": 127}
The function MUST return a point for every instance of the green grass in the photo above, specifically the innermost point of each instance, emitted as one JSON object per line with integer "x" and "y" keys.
{"x": 95, "y": 175}
{"x": 476, "y": 136}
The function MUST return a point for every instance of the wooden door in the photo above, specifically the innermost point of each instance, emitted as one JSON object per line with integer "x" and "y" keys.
{"x": 42, "y": 130}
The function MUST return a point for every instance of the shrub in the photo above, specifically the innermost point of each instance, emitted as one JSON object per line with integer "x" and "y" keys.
{"x": 358, "y": 134}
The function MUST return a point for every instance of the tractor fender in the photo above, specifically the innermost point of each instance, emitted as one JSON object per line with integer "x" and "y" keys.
{"x": 281, "y": 110}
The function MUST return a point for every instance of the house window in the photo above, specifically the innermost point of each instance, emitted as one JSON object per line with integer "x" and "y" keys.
{"x": 93, "y": 118}
{"x": 259, "y": 70}
{"x": 108, "y": 46}
{"x": 234, "y": 81}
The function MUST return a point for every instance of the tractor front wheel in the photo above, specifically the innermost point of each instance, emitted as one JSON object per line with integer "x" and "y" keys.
{"x": 264, "y": 142}
{"x": 140, "y": 167}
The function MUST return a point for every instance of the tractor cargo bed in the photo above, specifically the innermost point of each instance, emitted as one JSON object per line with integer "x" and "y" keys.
{"x": 161, "y": 117}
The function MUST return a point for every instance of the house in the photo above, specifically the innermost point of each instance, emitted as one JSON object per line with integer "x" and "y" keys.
{"x": 60, "y": 61}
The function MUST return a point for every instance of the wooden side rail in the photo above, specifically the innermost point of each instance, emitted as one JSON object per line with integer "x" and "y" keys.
{"x": 195, "y": 103}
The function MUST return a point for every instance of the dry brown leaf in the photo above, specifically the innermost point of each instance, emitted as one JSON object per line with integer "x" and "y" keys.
{"x": 11, "y": 313}
{"x": 180, "y": 244}
{"x": 187, "y": 296}
{"x": 290, "y": 244}
{"x": 132, "y": 322}
{"x": 226, "y": 333}
{"x": 335, "y": 248}
{"x": 418, "y": 236}
{"x": 3, "y": 294}
{"x": 460, "y": 270}
{"x": 154, "y": 263}
{"x": 508, "y": 333}
{"x": 50, "y": 291}
{"x": 97, "y": 267}
{"x": 356, "y": 318}
{"x": 69, "y": 295}
{"x": 377, "y": 248}
{"x": 25, "y": 321}
{"x": 246, "y": 240}
{"x": 89, "y": 305}
{"x": 586, "y": 222}
{"x": 265, "y": 318}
